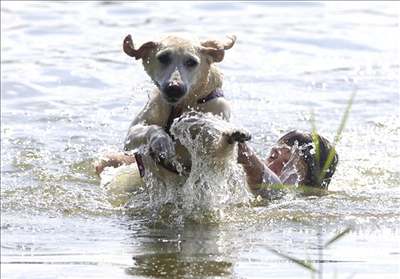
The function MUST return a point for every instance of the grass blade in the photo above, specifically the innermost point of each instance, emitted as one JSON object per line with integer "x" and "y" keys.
{"x": 337, "y": 237}
{"x": 338, "y": 136}
{"x": 301, "y": 263}
{"x": 315, "y": 140}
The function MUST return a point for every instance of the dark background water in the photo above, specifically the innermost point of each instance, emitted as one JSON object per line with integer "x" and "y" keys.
{"x": 68, "y": 94}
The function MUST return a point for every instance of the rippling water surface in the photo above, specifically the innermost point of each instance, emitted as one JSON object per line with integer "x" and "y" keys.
{"x": 68, "y": 94}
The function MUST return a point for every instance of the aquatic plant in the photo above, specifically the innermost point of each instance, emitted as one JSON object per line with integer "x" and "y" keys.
{"x": 306, "y": 263}
{"x": 337, "y": 237}
{"x": 303, "y": 263}
{"x": 336, "y": 139}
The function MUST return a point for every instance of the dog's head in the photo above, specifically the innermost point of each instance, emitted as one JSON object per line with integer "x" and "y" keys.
{"x": 176, "y": 64}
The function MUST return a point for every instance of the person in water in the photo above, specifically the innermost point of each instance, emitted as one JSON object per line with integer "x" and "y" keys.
{"x": 293, "y": 160}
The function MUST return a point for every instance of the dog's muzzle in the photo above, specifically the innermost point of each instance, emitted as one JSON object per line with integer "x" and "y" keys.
{"x": 174, "y": 91}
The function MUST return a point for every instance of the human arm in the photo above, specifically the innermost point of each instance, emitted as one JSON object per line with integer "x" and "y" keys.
{"x": 257, "y": 173}
{"x": 113, "y": 160}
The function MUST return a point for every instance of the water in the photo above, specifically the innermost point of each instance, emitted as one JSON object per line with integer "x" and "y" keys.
{"x": 68, "y": 94}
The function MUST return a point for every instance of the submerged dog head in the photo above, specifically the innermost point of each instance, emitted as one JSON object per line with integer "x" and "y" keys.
{"x": 178, "y": 65}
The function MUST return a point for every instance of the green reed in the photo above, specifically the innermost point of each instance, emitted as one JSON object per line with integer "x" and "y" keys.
{"x": 336, "y": 140}
{"x": 307, "y": 264}
{"x": 304, "y": 263}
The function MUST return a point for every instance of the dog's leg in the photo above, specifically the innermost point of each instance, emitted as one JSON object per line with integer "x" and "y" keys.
{"x": 227, "y": 140}
{"x": 146, "y": 129}
{"x": 154, "y": 136}
{"x": 213, "y": 136}
{"x": 237, "y": 136}
{"x": 140, "y": 134}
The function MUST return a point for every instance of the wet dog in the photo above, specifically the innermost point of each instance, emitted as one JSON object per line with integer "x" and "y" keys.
{"x": 186, "y": 79}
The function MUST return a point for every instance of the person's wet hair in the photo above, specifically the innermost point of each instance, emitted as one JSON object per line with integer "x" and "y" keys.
{"x": 304, "y": 141}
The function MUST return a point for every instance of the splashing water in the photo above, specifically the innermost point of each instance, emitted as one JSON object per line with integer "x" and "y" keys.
{"x": 291, "y": 174}
{"x": 215, "y": 183}
{"x": 79, "y": 93}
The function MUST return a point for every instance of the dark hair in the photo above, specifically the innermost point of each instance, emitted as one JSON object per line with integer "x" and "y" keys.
{"x": 315, "y": 159}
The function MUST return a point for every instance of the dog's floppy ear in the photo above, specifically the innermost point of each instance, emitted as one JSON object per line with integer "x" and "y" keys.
{"x": 216, "y": 49}
{"x": 142, "y": 52}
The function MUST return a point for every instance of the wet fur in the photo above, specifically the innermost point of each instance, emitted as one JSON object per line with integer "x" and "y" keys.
{"x": 148, "y": 126}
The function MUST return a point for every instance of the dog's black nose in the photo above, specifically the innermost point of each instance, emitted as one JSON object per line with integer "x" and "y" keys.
{"x": 174, "y": 91}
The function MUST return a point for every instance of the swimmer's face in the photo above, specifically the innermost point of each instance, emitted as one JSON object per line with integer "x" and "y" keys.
{"x": 286, "y": 163}
{"x": 278, "y": 157}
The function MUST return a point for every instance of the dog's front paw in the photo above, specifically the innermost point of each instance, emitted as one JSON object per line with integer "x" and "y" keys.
{"x": 162, "y": 147}
{"x": 238, "y": 136}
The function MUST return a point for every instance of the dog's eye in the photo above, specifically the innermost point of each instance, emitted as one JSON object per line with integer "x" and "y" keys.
{"x": 164, "y": 59}
{"x": 190, "y": 63}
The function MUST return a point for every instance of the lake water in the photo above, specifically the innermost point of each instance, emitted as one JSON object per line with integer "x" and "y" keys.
{"x": 68, "y": 94}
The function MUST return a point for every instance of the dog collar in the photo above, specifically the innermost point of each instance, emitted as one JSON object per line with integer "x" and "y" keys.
{"x": 216, "y": 93}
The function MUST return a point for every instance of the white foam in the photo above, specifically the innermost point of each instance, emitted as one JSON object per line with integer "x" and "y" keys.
{"x": 215, "y": 183}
